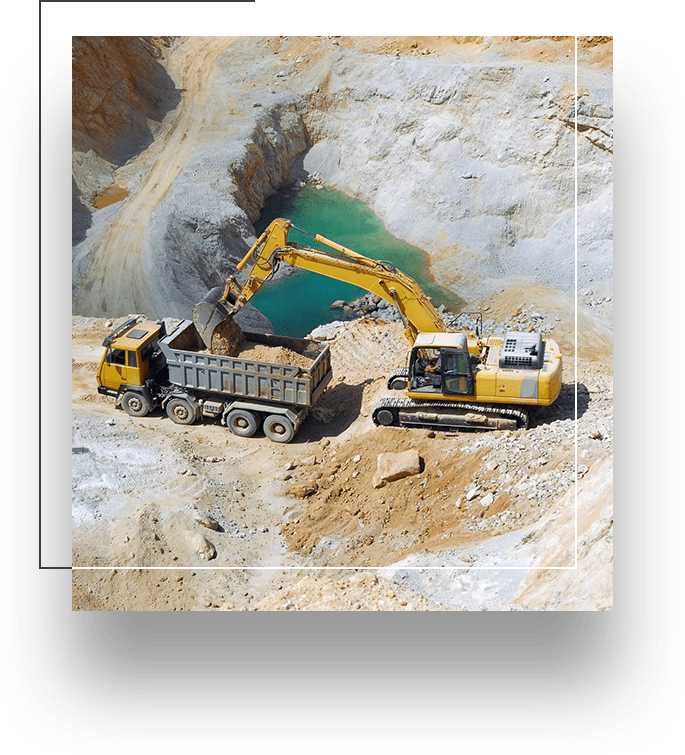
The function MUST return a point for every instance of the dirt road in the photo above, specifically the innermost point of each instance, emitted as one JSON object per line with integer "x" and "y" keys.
{"x": 116, "y": 277}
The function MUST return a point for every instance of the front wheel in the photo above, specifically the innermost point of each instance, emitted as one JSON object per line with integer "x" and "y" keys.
{"x": 278, "y": 428}
{"x": 135, "y": 404}
{"x": 181, "y": 411}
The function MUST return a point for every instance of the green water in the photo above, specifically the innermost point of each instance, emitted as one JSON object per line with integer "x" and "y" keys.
{"x": 299, "y": 303}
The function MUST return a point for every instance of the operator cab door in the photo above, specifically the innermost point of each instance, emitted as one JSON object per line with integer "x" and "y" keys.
{"x": 457, "y": 376}
{"x": 113, "y": 370}
{"x": 120, "y": 368}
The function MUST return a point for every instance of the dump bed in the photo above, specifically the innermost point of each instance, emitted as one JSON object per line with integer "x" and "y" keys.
{"x": 271, "y": 382}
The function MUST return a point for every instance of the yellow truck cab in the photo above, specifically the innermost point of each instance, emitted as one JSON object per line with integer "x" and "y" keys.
{"x": 127, "y": 363}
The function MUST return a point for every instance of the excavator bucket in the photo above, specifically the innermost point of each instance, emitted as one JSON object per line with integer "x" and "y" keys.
{"x": 210, "y": 312}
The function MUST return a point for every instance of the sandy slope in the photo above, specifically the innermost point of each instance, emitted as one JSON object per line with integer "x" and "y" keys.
{"x": 115, "y": 280}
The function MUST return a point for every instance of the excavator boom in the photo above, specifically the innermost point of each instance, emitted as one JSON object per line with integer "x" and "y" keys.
{"x": 415, "y": 308}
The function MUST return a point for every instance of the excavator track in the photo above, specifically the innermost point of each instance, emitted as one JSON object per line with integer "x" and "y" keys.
{"x": 448, "y": 415}
{"x": 398, "y": 379}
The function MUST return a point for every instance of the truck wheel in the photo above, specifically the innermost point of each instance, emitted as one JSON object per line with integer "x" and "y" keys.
{"x": 241, "y": 422}
{"x": 135, "y": 404}
{"x": 278, "y": 428}
{"x": 181, "y": 411}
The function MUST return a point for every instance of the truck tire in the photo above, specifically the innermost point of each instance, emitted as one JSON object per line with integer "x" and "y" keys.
{"x": 278, "y": 428}
{"x": 135, "y": 404}
{"x": 241, "y": 422}
{"x": 181, "y": 411}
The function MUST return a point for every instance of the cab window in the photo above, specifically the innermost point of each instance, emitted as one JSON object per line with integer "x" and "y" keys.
{"x": 117, "y": 356}
{"x": 132, "y": 359}
{"x": 146, "y": 353}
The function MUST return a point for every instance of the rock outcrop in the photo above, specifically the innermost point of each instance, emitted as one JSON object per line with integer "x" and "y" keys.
{"x": 465, "y": 148}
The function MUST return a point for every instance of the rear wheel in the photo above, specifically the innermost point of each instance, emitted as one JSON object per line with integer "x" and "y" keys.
{"x": 181, "y": 411}
{"x": 278, "y": 428}
{"x": 241, "y": 422}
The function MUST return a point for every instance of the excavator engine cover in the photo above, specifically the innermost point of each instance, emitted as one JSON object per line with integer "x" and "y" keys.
{"x": 209, "y": 313}
{"x": 522, "y": 351}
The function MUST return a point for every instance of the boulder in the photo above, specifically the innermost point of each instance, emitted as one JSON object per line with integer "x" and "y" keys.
{"x": 303, "y": 489}
{"x": 204, "y": 549}
{"x": 395, "y": 466}
{"x": 206, "y": 521}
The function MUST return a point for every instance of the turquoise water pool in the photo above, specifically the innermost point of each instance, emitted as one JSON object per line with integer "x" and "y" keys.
{"x": 299, "y": 303}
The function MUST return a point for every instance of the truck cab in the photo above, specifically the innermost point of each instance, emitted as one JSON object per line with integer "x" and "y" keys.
{"x": 127, "y": 360}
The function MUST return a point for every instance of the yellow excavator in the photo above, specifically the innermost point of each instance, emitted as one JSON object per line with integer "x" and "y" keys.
{"x": 451, "y": 380}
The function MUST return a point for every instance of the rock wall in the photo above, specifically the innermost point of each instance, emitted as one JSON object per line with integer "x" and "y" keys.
{"x": 120, "y": 94}
{"x": 204, "y": 225}
{"x": 464, "y": 147}
{"x": 474, "y": 162}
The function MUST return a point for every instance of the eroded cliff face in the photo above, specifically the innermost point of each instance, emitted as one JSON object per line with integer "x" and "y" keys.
{"x": 464, "y": 147}
{"x": 120, "y": 89}
{"x": 120, "y": 95}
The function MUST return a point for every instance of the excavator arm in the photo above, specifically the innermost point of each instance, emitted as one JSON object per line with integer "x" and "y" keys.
{"x": 415, "y": 308}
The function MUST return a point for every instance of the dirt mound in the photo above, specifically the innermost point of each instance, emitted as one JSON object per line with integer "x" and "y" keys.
{"x": 278, "y": 354}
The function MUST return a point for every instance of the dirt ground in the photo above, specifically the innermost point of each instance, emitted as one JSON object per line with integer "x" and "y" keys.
{"x": 195, "y": 518}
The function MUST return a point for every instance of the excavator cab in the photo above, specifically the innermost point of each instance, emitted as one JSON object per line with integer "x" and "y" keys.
{"x": 440, "y": 364}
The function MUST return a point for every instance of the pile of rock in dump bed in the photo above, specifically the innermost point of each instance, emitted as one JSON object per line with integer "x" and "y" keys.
{"x": 229, "y": 340}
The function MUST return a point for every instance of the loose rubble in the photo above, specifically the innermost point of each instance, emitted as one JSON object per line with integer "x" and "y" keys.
{"x": 147, "y": 492}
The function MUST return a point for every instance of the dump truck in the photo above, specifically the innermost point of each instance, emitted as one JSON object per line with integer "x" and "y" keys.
{"x": 144, "y": 367}
{"x": 451, "y": 380}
